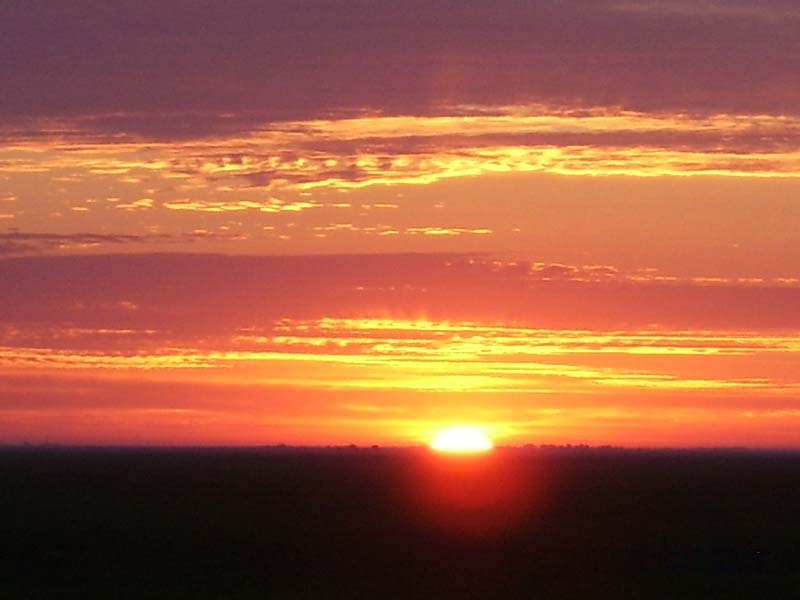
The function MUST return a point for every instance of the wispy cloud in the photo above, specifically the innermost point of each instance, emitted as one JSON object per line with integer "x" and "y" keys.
{"x": 140, "y": 204}
{"x": 398, "y": 379}
{"x": 711, "y": 8}
{"x": 234, "y": 291}
{"x": 272, "y": 205}
{"x": 427, "y": 355}
{"x": 378, "y": 151}
{"x": 19, "y": 243}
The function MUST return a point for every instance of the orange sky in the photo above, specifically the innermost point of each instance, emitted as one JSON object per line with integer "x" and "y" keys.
{"x": 571, "y": 224}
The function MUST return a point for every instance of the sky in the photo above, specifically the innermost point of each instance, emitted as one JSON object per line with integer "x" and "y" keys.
{"x": 320, "y": 222}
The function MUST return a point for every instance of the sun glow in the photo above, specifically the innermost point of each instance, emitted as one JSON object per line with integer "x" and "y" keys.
{"x": 461, "y": 439}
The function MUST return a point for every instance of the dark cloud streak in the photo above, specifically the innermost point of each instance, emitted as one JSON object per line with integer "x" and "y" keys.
{"x": 17, "y": 242}
{"x": 290, "y": 60}
{"x": 206, "y": 294}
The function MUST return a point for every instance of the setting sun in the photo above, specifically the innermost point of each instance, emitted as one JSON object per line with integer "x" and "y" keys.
{"x": 461, "y": 439}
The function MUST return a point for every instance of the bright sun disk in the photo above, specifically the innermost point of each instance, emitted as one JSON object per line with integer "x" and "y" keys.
{"x": 463, "y": 438}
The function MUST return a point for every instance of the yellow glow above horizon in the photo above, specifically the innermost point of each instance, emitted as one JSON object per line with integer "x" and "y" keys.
{"x": 462, "y": 439}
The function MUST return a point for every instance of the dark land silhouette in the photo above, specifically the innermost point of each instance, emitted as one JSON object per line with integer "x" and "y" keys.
{"x": 398, "y": 523}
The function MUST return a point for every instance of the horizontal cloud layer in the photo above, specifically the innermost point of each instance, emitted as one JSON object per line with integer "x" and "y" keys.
{"x": 206, "y": 293}
{"x": 364, "y": 151}
{"x": 386, "y": 347}
{"x": 301, "y": 59}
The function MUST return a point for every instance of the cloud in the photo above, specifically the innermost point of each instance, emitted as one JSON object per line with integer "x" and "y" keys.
{"x": 163, "y": 66}
{"x": 364, "y": 151}
{"x": 206, "y": 293}
{"x": 18, "y": 243}
{"x": 389, "y": 230}
{"x": 743, "y": 9}
{"x": 513, "y": 368}
{"x": 272, "y": 205}
{"x": 203, "y": 345}
{"x": 141, "y": 204}
{"x": 13, "y": 247}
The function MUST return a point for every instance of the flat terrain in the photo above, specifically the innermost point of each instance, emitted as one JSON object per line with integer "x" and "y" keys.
{"x": 381, "y": 523}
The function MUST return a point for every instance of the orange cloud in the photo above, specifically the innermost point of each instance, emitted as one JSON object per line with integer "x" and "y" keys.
{"x": 359, "y": 152}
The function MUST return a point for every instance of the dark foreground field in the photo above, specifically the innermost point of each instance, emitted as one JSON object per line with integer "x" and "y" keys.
{"x": 376, "y": 523}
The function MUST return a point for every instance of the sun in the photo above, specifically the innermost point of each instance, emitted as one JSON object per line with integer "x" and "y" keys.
{"x": 461, "y": 439}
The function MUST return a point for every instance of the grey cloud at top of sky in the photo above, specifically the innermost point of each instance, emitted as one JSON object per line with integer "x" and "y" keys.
{"x": 182, "y": 62}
